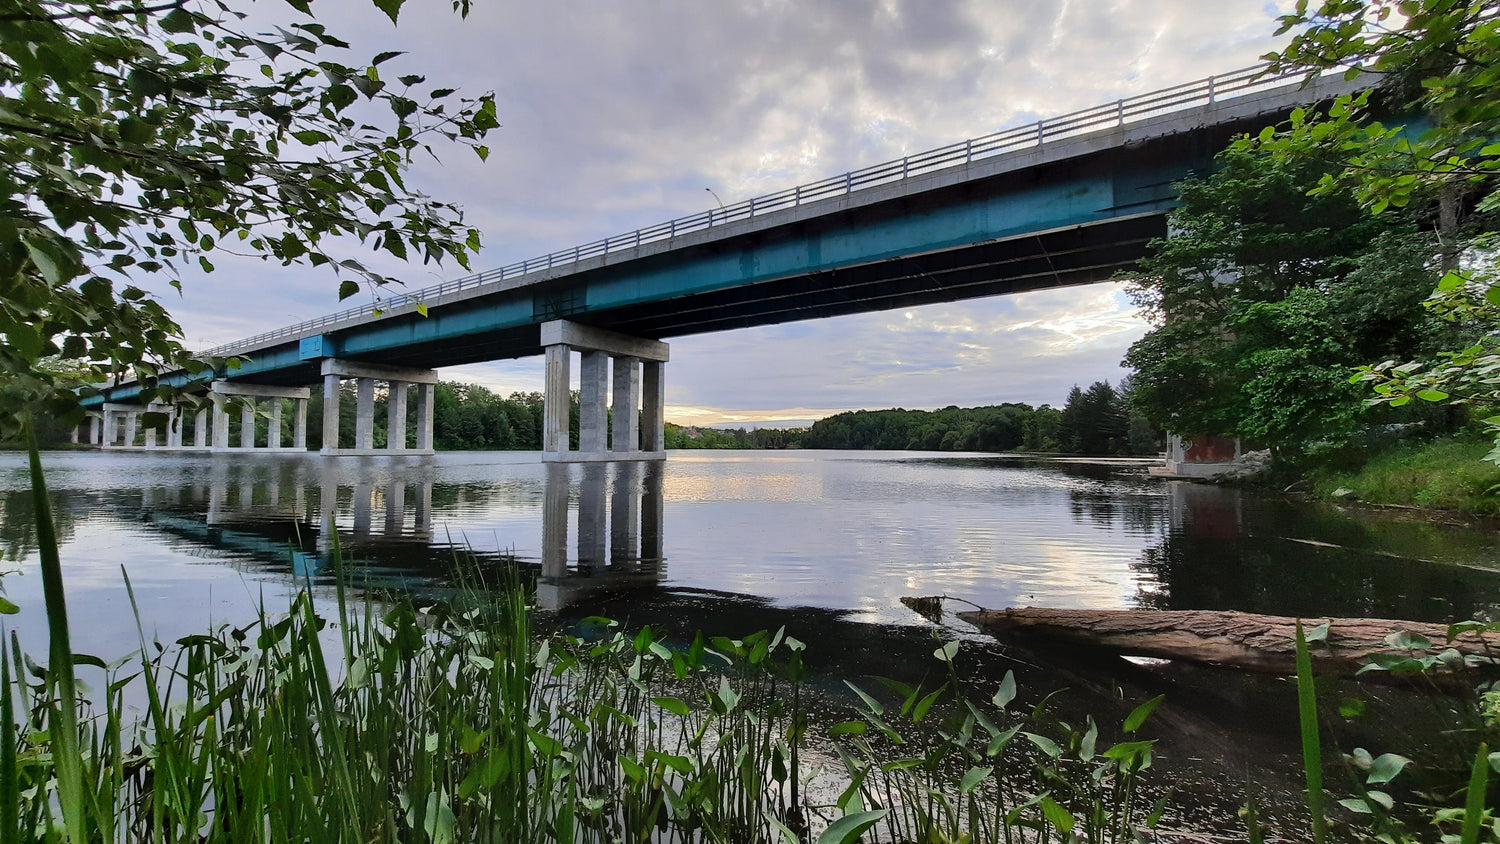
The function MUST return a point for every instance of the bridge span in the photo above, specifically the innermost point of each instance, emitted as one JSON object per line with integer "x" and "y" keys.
{"x": 1065, "y": 201}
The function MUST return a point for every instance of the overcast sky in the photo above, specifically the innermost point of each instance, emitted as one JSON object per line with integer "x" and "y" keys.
{"x": 618, "y": 114}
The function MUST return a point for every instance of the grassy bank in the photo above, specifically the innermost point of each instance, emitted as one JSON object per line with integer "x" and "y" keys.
{"x": 1443, "y": 474}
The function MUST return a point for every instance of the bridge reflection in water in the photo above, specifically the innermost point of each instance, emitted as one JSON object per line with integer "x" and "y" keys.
{"x": 599, "y": 529}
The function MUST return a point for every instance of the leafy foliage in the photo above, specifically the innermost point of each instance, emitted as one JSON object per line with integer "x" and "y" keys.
{"x": 1440, "y": 60}
{"x": 136, "y": 139}
{"x": 1264, "y": 299}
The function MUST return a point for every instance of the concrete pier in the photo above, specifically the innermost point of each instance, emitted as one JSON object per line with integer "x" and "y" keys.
{"x": 398, "y": 381}
{"x": 636, "y": 365}
{"x": 250, "y": 395}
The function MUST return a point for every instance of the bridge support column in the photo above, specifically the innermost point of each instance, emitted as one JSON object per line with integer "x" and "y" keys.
{"x": 96, "y": 430}
{"x": 299, "y": 428}
{"x": 364, "y": 414}
{"x": 627, "y": 398}
{"x": 653, "y": 406}
{"x": 247, "y": 424}
{"x": 330, "y": 413}
{"x": 174, "y": 427}
{"x": 426, "y": 402}
{"x": 220, "y": 423}
{"x": 598, "y": 349}
{"x": 273, "y": 429}
{"x": 395, "y": 417}
{"x": 593, "y": 407}
{"x": 200, "y": 429}
{"x": 398, "y": 380}
{"x": 130, "y": 417}
{"x": 557, "y": 402}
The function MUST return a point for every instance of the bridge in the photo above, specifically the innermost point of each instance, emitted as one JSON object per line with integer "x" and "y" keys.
{"x": 1065, "y": 201}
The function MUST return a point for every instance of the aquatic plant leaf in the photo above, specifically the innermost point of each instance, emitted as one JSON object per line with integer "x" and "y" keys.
{"x": 872, "y": 703}
{"x": 1474, "y": 806}
{"x": 1386, "y": 767}
{"x": 7, "y": 608}
{"x": 999, "y": 742}
{"x": 1044, "y": 744}
{"x": 849, "y": 828}
{"x": 919, "y": 711}
{"x": 1056, "y": 815}
{"x": 973, "y": 778}
{"x": 1312, "y": 747}
{"x": 1139, "y": 715}
{"x": 947, "y": 651}
{"x": 848, "y": 728}
{"x": 1356, "y": 804}
{"x": 676, "y": 706}
{"x": 1007, "y": 691}
{"x": 728, "y": 695}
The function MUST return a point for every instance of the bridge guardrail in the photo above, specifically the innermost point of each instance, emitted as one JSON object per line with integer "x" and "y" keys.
{"x": 1120, "y": 112}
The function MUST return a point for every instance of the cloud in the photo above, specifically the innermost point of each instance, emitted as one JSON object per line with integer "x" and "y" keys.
{"x": 620, "y": 115}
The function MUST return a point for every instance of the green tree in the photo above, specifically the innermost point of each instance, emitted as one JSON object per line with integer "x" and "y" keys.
{"x": 135, "y": 138}
{"x": 1440, "y": 60}
{"x": 1266, "y": 297}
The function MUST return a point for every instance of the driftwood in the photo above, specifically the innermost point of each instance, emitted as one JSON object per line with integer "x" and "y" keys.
{"x": 1245, "y": 640}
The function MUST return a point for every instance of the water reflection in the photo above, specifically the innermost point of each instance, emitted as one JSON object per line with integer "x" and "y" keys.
{"x": 619, "y": 534}
{"x": 1226, "y": 548}
{"x": 848, "y": 532}
{"x": 309, "y": 517}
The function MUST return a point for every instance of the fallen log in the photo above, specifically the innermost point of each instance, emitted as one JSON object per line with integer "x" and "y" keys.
{"x": 1251, "y": 641}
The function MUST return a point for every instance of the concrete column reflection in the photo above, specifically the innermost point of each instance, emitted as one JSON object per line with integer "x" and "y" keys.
{"x": 625, "y": 515}
{"x": 628, "y": 512}
{"x": 591, "y": 518}
{"x": 395, "y": 507}
{"x": 422, "y": 510}
{"x": 363, "y": 491}
{"x": 652, "y": 550}
{"x": 218, "y": 485}
{"x": 555, "y": 523}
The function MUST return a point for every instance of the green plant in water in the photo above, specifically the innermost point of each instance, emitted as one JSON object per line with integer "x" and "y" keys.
{"x": 968, "y": 779}
{"x": 1471, "y": 823}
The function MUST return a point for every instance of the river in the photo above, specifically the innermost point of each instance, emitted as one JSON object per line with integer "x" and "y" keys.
{"x": 823, "y": 543}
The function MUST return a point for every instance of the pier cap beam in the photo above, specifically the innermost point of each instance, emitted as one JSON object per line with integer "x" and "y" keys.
{"x": 230, "y": 388}
{"x": 379, "y": 372}
{"x": 586, "y": 337}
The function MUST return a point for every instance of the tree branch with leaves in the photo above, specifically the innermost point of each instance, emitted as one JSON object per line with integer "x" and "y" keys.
{"x": 137, "y": 139}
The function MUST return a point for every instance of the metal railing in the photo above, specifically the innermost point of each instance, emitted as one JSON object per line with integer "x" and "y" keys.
{"x": 1118, "y": 113}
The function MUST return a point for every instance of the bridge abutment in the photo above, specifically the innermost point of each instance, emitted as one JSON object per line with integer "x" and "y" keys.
{"x": 635, "y": 367}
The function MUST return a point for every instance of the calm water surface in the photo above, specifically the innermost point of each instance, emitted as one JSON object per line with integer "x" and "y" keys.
{"x": 825, "y": 543}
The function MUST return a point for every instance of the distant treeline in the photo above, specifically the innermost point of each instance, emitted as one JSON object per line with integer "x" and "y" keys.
{"x": 688, "y": 436}
{"x": 1096, "y": 421}
{"x": 468, "y": 417}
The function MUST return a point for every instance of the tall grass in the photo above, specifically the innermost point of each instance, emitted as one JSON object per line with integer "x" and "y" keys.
{"x": 1447, "y": 474}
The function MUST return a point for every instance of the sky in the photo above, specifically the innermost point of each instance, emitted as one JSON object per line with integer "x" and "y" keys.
{"x": 618, "y": 114}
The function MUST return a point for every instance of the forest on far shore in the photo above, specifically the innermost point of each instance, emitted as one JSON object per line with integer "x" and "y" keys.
{"x": 469, "y": 417}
